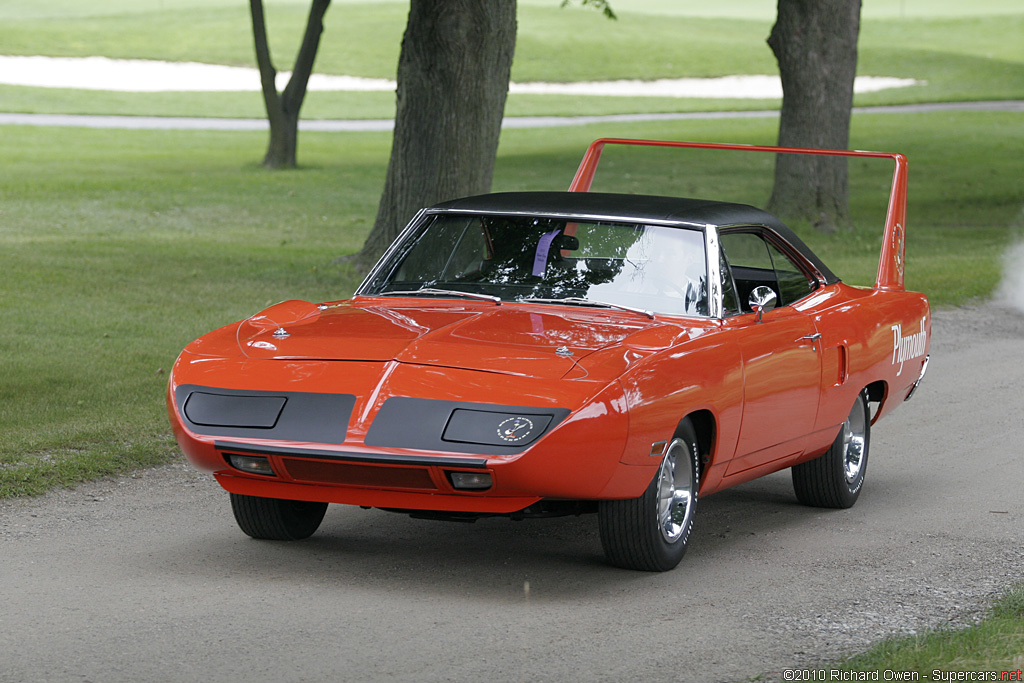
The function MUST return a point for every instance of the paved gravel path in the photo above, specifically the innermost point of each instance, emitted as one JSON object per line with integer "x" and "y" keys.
{"x": 371, "y": 125}
{"x": 147, "y": 577}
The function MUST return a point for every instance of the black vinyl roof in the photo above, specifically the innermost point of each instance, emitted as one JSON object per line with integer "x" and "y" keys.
{"x": 634, "y": 208}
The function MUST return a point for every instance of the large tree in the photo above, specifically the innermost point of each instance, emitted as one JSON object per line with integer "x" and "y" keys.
{"x": 283, "y": 108}
{"x": 815, "y": 43}
{"x": 453, "y": 75}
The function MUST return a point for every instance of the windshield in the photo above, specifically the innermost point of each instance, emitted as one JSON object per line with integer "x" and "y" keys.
{"x": 516, "y": 258}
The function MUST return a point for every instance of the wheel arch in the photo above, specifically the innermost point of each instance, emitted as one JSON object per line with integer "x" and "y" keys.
{"x": 705, "y": 428}
{"x": 878, "y": 392}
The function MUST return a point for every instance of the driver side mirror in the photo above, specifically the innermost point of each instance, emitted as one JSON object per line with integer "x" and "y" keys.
{"x": 762, "y": 299}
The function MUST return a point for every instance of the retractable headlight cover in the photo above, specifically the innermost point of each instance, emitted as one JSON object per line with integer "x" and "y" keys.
{"x": 461, "y": 427}
{"x": 496, "y": 428}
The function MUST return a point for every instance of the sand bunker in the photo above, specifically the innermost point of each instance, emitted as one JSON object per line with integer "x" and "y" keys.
{"x": 138, "y": 75}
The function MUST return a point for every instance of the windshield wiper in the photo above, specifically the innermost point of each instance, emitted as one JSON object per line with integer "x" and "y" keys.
{"x": 581, "y": 301}
{"x": 441, "y": 292}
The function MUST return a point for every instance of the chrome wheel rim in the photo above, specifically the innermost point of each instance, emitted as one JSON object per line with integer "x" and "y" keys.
{"x": 675, "y": 491}
{"x": 854, "y": 441}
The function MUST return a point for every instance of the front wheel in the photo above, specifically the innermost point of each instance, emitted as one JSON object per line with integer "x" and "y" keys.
{"x": 274, "y": 519}
{"x": 835, "y": 479}
{"x": 651, "y": 533}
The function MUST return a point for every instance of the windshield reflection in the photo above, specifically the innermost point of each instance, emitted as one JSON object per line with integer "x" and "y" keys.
{"x": 643, "y": 267}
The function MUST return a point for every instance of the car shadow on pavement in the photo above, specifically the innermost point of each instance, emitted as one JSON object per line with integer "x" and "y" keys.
{"x": 492, "y": 558}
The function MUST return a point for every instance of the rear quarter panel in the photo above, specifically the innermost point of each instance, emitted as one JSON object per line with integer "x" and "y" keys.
{"x": 866, "y": 339}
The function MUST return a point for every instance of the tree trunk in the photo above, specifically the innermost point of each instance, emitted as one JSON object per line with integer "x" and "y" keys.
{"x": 283, "y": 109}
{"x": 815, "y": 43}
{"x": 453, "y": 75}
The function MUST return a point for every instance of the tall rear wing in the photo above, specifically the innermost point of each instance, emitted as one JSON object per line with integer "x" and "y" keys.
{"x": 890, "y": 262}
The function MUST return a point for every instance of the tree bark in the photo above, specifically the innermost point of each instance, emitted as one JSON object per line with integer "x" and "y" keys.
{"x": 283, "y": 109}
{"x": 815, "y": 43}
{"x": 453, "y": 74}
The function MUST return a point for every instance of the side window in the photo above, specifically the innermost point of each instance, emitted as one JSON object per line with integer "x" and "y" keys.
{"x": 793, "y": 284}
{"x": 750, "y": 264}
{"x": 756, "y": 262}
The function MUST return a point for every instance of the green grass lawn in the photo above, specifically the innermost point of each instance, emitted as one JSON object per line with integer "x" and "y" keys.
{"x": 118, "y": 248}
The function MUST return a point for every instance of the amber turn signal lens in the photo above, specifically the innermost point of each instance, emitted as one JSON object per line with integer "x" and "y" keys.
{"x": 473, "y": 481}
{"x": 251, "y": 463}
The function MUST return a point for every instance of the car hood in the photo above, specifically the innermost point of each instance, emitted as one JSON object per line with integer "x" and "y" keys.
{"x": 528, "y": 340}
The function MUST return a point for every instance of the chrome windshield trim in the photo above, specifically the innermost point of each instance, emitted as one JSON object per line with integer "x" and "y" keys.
{"x": 716, "y": 305}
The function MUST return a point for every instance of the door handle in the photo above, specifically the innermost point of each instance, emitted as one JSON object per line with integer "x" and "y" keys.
{"x": 813, "y": 338}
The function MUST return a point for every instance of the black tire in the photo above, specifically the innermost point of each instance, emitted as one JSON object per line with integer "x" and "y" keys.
{"x": 835, "y": 479}
{"x": 651, "y": 533}
{"x": 274, "y": 519}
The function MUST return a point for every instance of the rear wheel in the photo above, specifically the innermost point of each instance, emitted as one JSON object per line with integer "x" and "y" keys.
{"x": 835, "y": 479}
{"x": 275, "y": 519}
{"x": 651, "y": 533}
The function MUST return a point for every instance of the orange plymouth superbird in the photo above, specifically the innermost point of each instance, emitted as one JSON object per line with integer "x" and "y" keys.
{"x": 542, "y": 353}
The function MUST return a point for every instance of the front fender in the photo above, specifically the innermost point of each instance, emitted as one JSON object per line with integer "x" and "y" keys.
{"x": 668, "y": 387}
{"x": 578, "y": 458}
